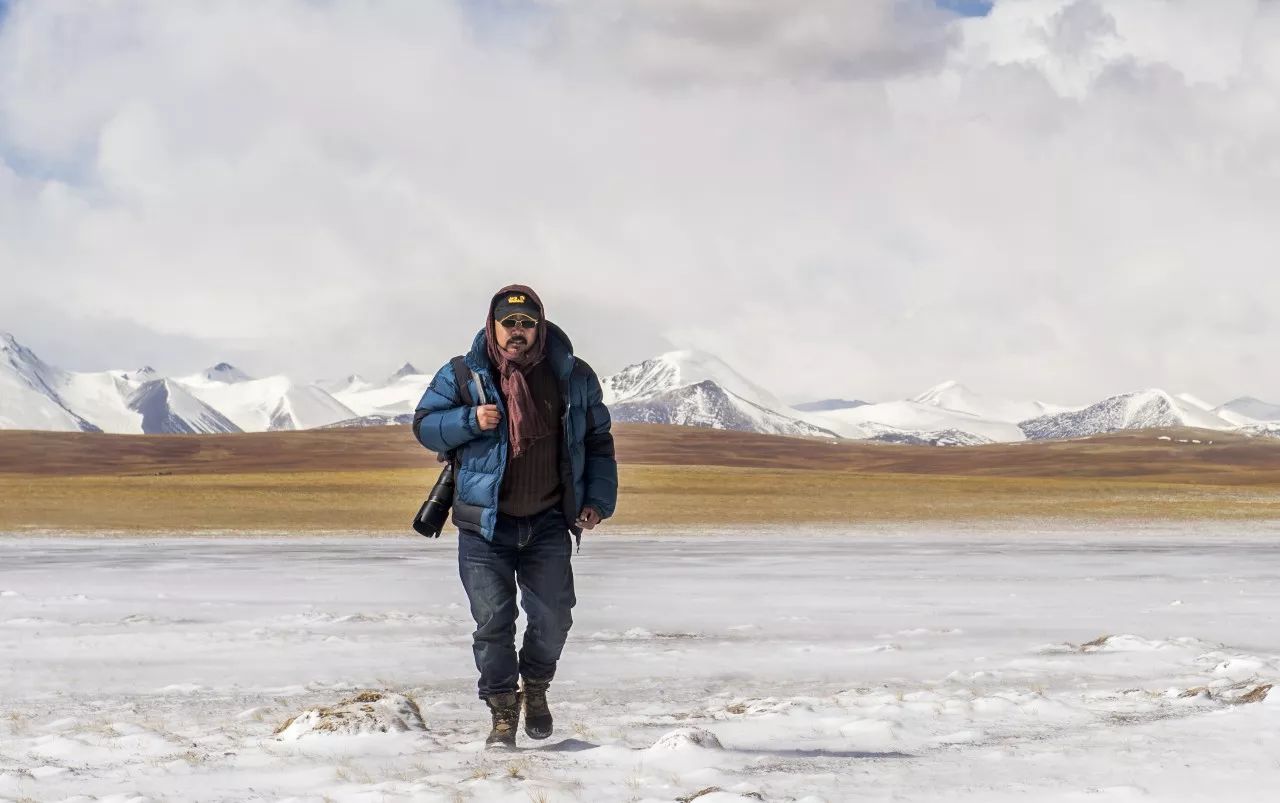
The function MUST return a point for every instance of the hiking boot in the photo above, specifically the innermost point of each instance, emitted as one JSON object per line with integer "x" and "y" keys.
{"x": 537, "y": 716}
{"x": 506, "y": 718}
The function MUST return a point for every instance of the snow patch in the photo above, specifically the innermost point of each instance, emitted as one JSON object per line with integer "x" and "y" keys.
{"x": 367, "y": 713}
{"x": 1131, "y": 643}
{"x": 953, "y": 396}
{"x": 273, "y": 403}
{"x": 895, "y": 420}
{"x": 686, "y": 739}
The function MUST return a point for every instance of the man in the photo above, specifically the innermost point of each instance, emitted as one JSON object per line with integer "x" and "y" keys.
{"x": 534, "y": 460}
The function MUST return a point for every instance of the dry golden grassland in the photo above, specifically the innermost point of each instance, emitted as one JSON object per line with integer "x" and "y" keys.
{"x": 374, "y": 480}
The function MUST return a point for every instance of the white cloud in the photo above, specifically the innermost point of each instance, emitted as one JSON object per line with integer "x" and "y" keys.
{"x": 679, "y": 42}
{"x": 1063, "y": 198}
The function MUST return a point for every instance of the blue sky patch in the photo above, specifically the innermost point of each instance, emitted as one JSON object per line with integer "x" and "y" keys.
{"x": 497, "y": 20}
{"x": 967, "y": 8}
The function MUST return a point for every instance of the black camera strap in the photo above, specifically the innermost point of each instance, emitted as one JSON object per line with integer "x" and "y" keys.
{"x": 431, "y": 516}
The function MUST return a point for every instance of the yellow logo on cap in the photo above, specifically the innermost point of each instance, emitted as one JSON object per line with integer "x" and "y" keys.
{"x": 515, "y": 299}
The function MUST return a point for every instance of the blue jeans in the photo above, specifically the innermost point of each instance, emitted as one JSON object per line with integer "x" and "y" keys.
{"x": 532, "y": 552}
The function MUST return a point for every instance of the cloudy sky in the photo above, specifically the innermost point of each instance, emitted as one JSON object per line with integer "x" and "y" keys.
{"x": 1058, "y": 199}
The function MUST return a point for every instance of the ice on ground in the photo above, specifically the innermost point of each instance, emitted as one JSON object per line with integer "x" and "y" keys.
{"x": 909, "y": 666}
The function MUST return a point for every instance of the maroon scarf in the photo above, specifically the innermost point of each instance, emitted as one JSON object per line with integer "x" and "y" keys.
{"x": 525, "y": 422}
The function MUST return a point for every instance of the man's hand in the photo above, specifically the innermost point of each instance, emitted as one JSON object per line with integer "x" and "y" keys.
{"x": 487, "y": 416}
{"x": 588, "y": 518}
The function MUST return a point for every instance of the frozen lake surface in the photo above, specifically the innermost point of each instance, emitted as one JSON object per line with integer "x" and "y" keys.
{"x": 901, "y": 666}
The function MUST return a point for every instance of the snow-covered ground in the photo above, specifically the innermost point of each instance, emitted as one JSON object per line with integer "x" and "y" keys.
{"x": 904, "y": 665}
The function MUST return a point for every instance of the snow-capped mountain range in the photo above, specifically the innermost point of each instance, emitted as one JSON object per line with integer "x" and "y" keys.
{"x": 696, "y": 389}
{"x": 1147, "y": 409}
{"x": 36, "y": 395}
{"x": 688, "y": 388}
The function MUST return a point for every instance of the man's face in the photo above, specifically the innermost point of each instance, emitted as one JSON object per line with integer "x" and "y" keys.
{"x": 519, "y": 337}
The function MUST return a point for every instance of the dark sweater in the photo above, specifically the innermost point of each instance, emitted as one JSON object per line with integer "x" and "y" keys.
{"x": 531, "y": 482}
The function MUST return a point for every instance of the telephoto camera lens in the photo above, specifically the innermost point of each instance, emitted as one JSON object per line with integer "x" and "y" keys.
{"x": 434, "y": 512}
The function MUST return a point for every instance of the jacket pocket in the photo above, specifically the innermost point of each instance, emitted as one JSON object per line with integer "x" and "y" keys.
{"x": 467, "y": 516}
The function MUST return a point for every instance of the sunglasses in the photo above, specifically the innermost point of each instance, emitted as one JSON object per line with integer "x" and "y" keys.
{"x": 523, "y": 323}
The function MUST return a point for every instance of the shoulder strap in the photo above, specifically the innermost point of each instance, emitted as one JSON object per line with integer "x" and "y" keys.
{"x": 462, "y": 378}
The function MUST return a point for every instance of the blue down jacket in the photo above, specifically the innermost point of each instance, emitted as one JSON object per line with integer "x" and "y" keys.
{"x": 588, "y": 469}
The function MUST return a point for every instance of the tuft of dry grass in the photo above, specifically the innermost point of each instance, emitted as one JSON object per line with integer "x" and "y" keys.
{"x": 516, "y": 769}
{"x": 1096, "y": 644}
